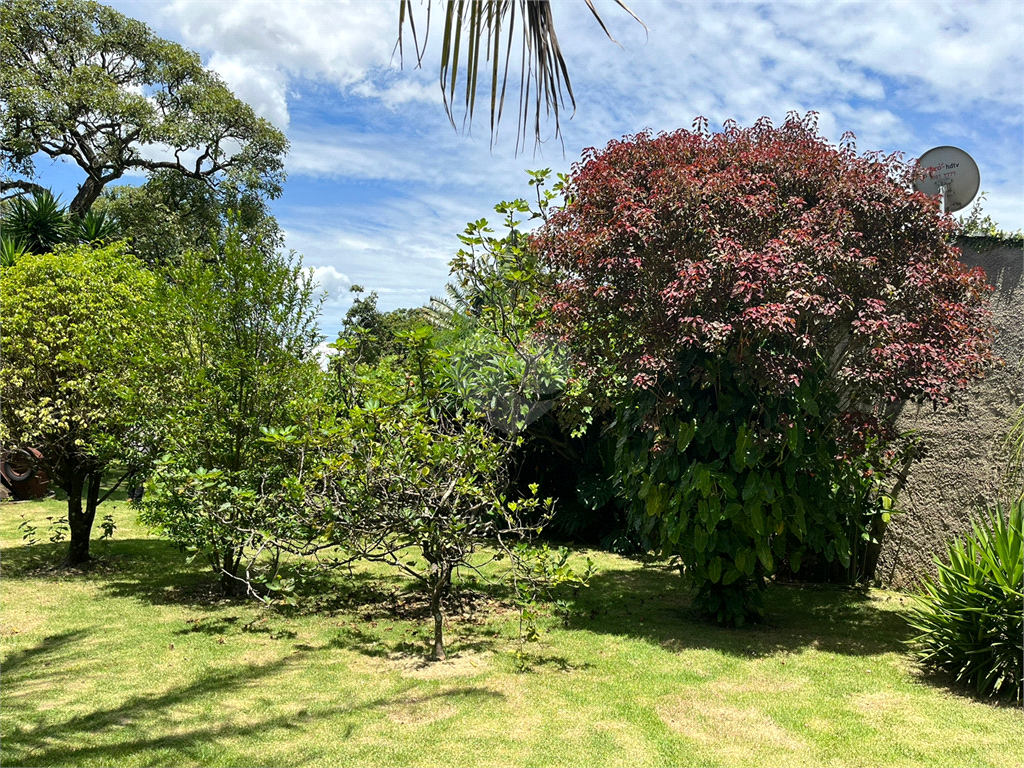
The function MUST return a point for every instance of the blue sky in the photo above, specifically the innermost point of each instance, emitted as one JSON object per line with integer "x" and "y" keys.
{"x": 380, "y": 184}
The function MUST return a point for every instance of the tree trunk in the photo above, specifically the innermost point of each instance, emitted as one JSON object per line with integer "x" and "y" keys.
{"x": 229, "y": 582}
{"x": 87, "y": 194}
{"x": 80, "y": 520}
{"x": 440, "y": 587}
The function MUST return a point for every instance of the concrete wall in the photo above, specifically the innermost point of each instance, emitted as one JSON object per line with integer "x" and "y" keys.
{"x": 961, "y": 466}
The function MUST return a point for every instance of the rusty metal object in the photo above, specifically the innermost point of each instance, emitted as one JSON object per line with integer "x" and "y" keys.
{"x": 22, "y": 474}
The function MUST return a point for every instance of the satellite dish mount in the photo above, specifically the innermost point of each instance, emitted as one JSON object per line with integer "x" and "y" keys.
{"x": 942, "y": 197}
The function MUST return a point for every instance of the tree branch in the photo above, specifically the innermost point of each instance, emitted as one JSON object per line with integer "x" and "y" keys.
{"x": 24, "y": 186}
{"x": 124, "y": 477}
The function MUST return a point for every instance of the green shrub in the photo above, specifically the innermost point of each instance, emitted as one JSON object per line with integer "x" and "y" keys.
{"x": 971, "y": 617}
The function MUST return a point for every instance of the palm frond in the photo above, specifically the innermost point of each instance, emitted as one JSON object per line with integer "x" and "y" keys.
{"x": 487, "y": 28}
{"x": 93, "y": 227}
{"x": 451, "y": 314}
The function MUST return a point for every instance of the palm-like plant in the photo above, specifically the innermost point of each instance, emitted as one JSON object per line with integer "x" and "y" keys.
{"x": 39, "y": 222}
{"x": 93, "y": 227}
{"x": 10, "y": 251}
{"x": 454, "y": 314}
{"x": 489, "y": 27}
{"x": 970, "y": 616}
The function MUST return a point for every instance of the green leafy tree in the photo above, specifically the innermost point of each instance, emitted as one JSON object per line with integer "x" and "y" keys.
{"x": 372, "y": 334}
{"x": 171, "y": 214}
{"x": 87, "y": 369}
{"x": 499, "y": 357}
{"x": 503, "y": 360}
{"x": 84, "y": 82}
{"x": 249, "y": 332}
{"x": 389, "y": 473}
{"x": 979, "y": 224}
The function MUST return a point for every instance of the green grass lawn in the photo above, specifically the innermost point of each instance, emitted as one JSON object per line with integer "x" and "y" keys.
{"x": 138, "y": 663}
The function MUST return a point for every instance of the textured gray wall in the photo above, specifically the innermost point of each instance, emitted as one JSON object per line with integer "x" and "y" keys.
{"x": 961, "y": 466}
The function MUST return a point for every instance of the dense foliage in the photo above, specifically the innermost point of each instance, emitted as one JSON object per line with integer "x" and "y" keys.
{"x": 704, "y": 342}
{"x": 405, "y": 453}
{"x": 171, "y": 214}
{"x": 498, "y": 359}
{"x": 88, "y": 368}
{"x": 248, "y": 327}
{"x": 752, "y": 300}
{"x": 369, "y": 334}
{"x": 970, "y": 615}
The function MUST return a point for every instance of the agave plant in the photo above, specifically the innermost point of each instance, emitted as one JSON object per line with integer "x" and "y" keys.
{"x": 39, "y": 222}
{"x": 93, "y": 227}
{"x": 970, "y": 617}
{"x": 10, "y": 251}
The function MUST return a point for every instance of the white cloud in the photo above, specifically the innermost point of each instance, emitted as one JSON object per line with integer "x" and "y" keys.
{"x": 336, "y": 39}
{"x": 258, "y": 46}
{"x": 323, "y": 353}
{"x": 397, "y": 92}
{"x": 743, "y": 60}
{"x": 334, "y": 283}
{"x": 262, "y": 87}
{"x": 398, "y": 248}
{"x": 336, "y": 155}
{"x": 948, "y": 54}
{"x": 733, "y": 56}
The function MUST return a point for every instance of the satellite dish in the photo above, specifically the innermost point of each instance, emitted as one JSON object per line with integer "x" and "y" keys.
{"x": 950, "y": 173}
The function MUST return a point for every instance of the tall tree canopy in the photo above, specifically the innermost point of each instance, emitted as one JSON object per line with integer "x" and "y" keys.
{"x": 84, "y": 82}
{"x": 171, "y": 214}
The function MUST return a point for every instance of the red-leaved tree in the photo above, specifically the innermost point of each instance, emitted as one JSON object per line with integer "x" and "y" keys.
{"x": 773, "y": 291}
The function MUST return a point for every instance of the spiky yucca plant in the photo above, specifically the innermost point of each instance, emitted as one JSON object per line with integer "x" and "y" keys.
{"x": 94, "y": 227}
{"x": 971, "y": 617}
{"x": 39, "y": 222}
{"x": 10, "y": 251}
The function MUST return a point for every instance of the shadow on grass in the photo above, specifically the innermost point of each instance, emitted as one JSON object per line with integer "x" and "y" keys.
{"x": 653, "y": 603}
{"x": 46, "y": 738}
{"x": 528, "y": 661}
{"x": 50, "y": 646}
{"x": 149, "y": 570}
{"x": 154, "y": 572}
{"x": 938, "y": 678}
